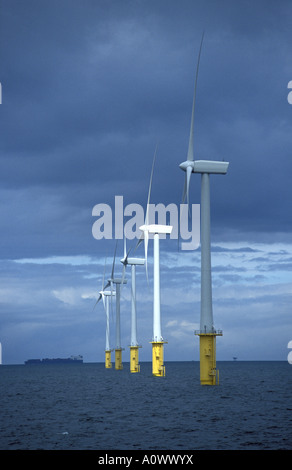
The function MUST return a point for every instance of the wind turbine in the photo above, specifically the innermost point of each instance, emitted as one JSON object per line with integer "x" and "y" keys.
{"x": 158, "y": 368}
{"x": 134, "y": 346}
{"x": 207, "y": 333}
{"x": 117, "y": 282}
{"x": 105, "y": 296}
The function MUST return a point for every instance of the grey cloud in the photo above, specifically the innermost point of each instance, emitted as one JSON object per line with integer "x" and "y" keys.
{"x": 90, "y": 88}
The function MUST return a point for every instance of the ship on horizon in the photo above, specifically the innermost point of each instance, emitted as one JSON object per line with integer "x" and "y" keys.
{"x": 68, "y": 360}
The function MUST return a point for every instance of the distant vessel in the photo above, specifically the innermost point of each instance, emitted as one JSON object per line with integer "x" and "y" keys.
{"x": 58, "y": 360}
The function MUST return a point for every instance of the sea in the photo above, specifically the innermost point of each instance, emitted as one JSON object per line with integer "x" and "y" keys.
{"x": 87, "y": 407}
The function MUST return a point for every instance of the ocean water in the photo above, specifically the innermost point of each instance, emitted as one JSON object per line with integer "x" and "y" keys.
{"x": 88, "y": 407}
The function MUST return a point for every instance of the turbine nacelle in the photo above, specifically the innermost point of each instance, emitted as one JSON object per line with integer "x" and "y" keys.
{"x": 135, "y": 261}
{"x": 205, "y": 166}
{"x": 187, "y": 164}
{"x": 156, "y": 228}
{"x": 107, "y": 293}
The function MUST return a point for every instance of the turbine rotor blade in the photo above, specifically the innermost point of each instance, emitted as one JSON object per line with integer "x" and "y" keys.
{"x": 111, "y": 284}
{"x": 184, "y": 190}
{"x": 103, "y": 300}
{"x": 113, "y": 267}
{"x": 126, "y": 254}
{"x": 149, "y": 190}
{"x": 100, "y": 296}
{"x": 123, "y": 276}
{"x": 139, "y": 241}
{"x": 103, "y": 274}
{"x": 146, "y": 233}
{"x": 146, "y": 238}
{"x": 191, "y": 139}
{"x": 129, "y": 250}
{"x": 112, "y": 315}
{"x": 188, "y": 176}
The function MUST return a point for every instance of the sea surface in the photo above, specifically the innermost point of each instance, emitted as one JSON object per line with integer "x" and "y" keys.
{"x": 88, "y": 407}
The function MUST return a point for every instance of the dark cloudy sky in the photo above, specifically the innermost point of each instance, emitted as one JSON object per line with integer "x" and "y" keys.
{"x": 88, "y": 90}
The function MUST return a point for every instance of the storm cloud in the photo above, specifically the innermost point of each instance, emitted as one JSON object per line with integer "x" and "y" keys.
{"x": 88, "y": 90}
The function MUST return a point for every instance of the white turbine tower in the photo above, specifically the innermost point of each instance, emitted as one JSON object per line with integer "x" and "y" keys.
{"x": 207, "y": 333}
{"x": 117, "y": 282}
{"x": 134, "y": 346}
{"x": 105, "y": 296}
{"x": 158, "y": 368}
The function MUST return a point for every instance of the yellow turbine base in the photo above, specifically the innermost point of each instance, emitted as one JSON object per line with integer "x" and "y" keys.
{"x": 208, "y": 373}
{"x": 108, "y": 362}
{"x": 158, "y": 368}
{"x": 118, "y": 359}
{"x": 134, "y": 359}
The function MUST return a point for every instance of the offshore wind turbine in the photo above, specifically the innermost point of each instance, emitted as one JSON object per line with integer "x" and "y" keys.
{"x": 105, "y": 296}
{"x": 117, "y": 282}
{"x": 134, "y": 346}
{"x": 207, "y": 332}
{"x": 158, "y": 367}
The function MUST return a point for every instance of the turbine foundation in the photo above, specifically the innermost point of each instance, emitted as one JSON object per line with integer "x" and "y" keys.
{"x": 134, "y": 359}
{"x": 118, "y": 359}
{"x": 209, "y": 375}
{"x": 158, "y": 368}
{"x": 108, "y": 362}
